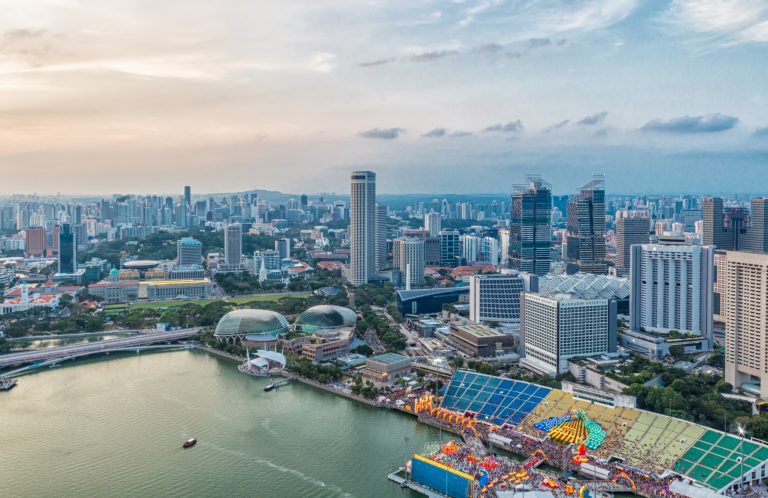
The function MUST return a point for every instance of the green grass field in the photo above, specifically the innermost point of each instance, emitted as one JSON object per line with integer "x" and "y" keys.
{"x": 203, "y": 302}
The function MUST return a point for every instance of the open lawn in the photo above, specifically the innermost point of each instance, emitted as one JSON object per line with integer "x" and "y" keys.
{"x": 203, "y": 302}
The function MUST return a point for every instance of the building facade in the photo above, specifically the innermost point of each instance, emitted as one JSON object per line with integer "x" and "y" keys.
{"x": 362, "y": 227}
{"x": 756, "y": 239}
{"x": 558, "y": 327}
{"x": 585, "y": 225}
{"x": 630, "y": 230}
{"x": 189, "y": 251}
{"x": 67, "y": 250}
{"x": 530, "y": 231}
{"x": 233, "y": 245}
{"x": 450, "y": 248}
{"x": 672, "y": 289}
{"x": 411, "y": 261}
{"x": 381, "y": 237}
{"x": 496, "y": 297}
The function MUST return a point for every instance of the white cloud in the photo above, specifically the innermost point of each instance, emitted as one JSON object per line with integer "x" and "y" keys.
{"x": 727, "y": 21}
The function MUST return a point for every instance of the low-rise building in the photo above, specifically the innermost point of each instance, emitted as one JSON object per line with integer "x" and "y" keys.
{"x": 386, "y": 368}
{"x": 480, "y": 341}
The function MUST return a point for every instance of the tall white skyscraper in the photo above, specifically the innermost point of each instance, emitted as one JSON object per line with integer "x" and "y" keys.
{"x": 433, "y": 223}
{"x": 672, "y": 289}
{"x": 233, "y": 245}
{"x": 746, "y": 319}
{"x": 470, "y": 248}
{"x": 412, "y": 261}
{"x": 362, "y": 227}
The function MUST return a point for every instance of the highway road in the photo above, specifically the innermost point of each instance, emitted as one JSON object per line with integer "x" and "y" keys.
{"x": 75, "y": 349}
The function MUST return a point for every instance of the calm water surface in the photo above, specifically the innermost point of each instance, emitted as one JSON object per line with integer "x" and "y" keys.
{"x": 114, "y": 427}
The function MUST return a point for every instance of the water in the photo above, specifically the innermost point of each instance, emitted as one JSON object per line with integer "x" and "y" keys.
{"x": 114, "y": 427}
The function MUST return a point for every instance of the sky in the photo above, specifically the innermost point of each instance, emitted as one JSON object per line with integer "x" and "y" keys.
{"x": 103, "y": 96}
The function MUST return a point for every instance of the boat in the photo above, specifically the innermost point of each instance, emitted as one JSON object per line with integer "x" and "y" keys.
{"x": 269, "y": 387}
{"x": 189, "y": 443}
{"x": 7, "y": 384}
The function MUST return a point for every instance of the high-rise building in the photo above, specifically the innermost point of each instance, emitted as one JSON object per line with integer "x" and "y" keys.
{"x": 433, "y": 223}
{"x": 557, "y": 327}
{"x": 736, "y": 222}
{"x": 362, "y": 227}
{"x": 67, "y": 250}
{"x": 188, "y": 196}
{"x": 35, "y": 241}
{"x": 719, "y": 303}
{"x": 746, "y": 320}
{"x": 233, "y": 245}
{"x": 470, "y": 248}
{"x": 672, "y": 289}
{"x": 585, "y": 225}
{"x": 630, "y": 230}
{"x": 381, "y": 237}
{"x": 189, "y": 251}
{"x": 450, "y": 248}
{"x": 756, "y": 239}
{"x": 489, "y": 251}
{"x": 411, "y": 254}
{"x": 530, "y": 232}
{"x": 504, "y": 247}
{"x": 496, "y": 297}
{"x": 714, "y": 233}
{"x": 283, "y": 248}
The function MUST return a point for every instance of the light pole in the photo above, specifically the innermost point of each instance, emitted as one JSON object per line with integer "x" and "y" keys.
{"x": 741, "y": 478}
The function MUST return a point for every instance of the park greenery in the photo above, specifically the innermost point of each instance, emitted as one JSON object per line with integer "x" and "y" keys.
{"x": 387, "y": 335}
{"x": 303, "y": 367}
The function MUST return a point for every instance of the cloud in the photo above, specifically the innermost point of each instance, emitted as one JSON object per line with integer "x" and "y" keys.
{"x": 557, "y": 126}
{"x": 593, "y": 119}
{"x": 382, "y": 133}
{"x": 33, "y": 46}
{"x": 539, "y": 42}
{"x": 489, "y": 48}
{"x": 379, "y": 62}
{"x": 761, "y": 132}
{"x": 726, "y": 23}
{"x": 445, "y": 132}
{"x": 435, "y": 133}
{"x": 601, "y": 133}
{"x": 511, "y": 127}
{"x": 708, "y": 123}
{"x": 433, "y": 55}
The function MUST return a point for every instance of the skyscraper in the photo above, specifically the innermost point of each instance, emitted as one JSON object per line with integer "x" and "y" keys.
{"x": 672, "y": 289}
{"x": 381, "y": 237}
{"x": 362, "y": 227}
{"x": 714, "y": 233}
{"x": 746, "y": 313}
{"x": 530, "y": 232}
{"x": 67, "y": 250}
{"x": 756, "y": 239}
{"x": 411, "y": 255}
{"x": 433, "y": 223}
{"x": 450, "y": 248}
{"x": 496, "y": 298}
{"x": 585, "y": 225}
{"x": 283, "y": 247}
{"x": 189, "y": 251}
{"x": 233, "y": 245}
{"x": 630, "y": 230}
{"x": 35, "y": 241}
{"x": 188, "y": 196}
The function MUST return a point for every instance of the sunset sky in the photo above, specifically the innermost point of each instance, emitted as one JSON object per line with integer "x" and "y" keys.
{"x": 102, "y": 96}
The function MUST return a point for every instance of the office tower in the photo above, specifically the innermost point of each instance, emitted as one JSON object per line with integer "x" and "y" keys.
{"x": 756, "y": 239}
{"x": 496, "y": 298}
{"x": 558, "y": 327}
{"x": 503, "y": 247}
{"x": 53, "y": 242}
{"x": 35, "y": 241}
{"x": 381, "y": 237}
{"x": 433, "y": 223}
{"x": 736, "y": 221}
{"x": 585, "y": 225}
{"x": 362, "y": 227}
{"x": 304, "y": 201}
{"x": 7, "y": 219}
{"x": 233, "y": 245}
{"x": 283, "y": 248}
{"x": 432, "y": 253}
{"x": 672, "y": 289}
{"x": 189, "y": 251}
{"x": 714, "y": 233}
{"x": 81, "y": 236}
{"x": 411, "y": 256}
{"x": 630, "y": 231}
{"x": 269, "y": 258}
{"x": 188, "y": 196}
{"x": 470, "y": 248}
{"x": 530, "y": 233}
{"x": 719, "y": 303}
{"x": 450, "y": 248}
{"x": 67, "y": 250}
{"x": 746, "y": 320}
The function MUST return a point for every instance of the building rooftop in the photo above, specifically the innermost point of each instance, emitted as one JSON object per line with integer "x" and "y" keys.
{"x": 478, "y": 330}
{"x": 585, "y": 286}
{"x": 389, "y": 358}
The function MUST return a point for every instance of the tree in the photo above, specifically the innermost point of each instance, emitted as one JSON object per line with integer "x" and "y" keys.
{"x": 677, "y": 351}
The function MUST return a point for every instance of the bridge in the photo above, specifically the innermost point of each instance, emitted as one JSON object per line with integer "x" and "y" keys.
{"x": 78, "y": 350}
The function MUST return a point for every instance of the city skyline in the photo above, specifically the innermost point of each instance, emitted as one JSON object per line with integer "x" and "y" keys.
{"x": 236, "y": 94}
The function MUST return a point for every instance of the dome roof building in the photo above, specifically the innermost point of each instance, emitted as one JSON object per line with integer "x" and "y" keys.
{"x": 237, "y": 324}
{"x": 326, "y": 317}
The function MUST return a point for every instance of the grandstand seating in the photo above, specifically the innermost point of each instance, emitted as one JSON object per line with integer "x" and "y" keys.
{"x": 493, "y": 399}
{"x": 645, "y": 440}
